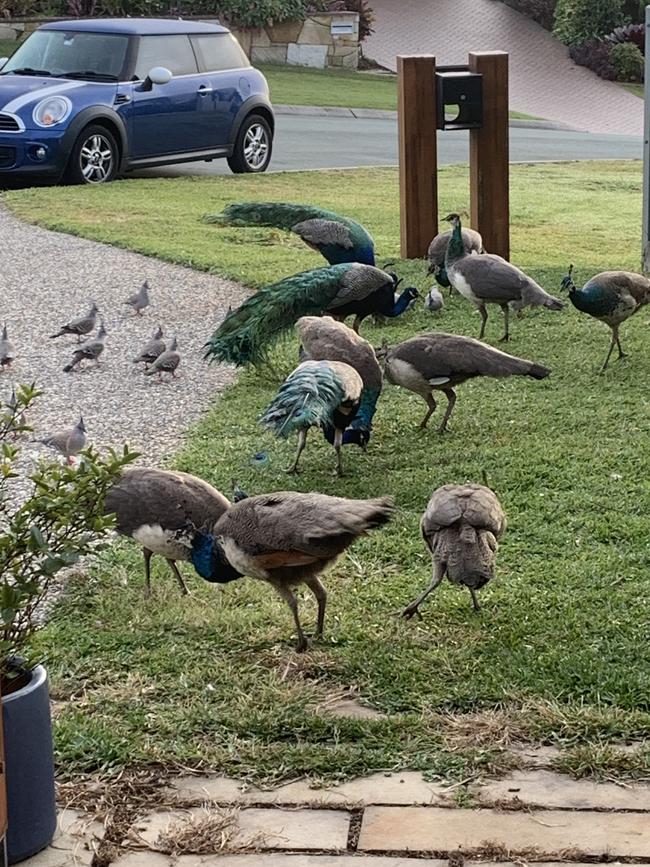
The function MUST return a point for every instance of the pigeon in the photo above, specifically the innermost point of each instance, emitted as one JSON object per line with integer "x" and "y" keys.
{"x": 7, "y": 349}
{"x": 167, "y": 362}
{"x": 68, "y": 443}
{"x": 79, "y": 326}
{"x": 155, "y": 347}
{"x": 434, "y": 301}
{"x": 139, "y": 300}
{"x": 90, "y": 350}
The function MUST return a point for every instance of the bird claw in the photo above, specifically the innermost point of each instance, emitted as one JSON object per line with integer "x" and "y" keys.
{"x": 410, "y": 611}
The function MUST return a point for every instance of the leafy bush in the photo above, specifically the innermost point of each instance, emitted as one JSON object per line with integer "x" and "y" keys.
{"x": 257, "y": 13}
{"x": 577, "y": 21}
{"x": 628, "y": 61}
{"x": 634, "y": 33}
{"x": 595, "y": 55}
{"x": 61, "y": 520}
{"x": 542, "y": 11}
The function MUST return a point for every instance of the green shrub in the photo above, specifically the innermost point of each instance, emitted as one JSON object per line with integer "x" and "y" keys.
{"x": 628, "y": 61}
{"x": 577, "y": 21}
{"x": 256, "y": 13}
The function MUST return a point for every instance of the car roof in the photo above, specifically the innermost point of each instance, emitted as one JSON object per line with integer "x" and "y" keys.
{"x": 135, "y": 26}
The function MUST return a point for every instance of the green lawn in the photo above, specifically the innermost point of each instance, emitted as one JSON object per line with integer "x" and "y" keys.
{"x": 7, "y": 47}
{"x": 559, "y": 651}
{"x": 636, "y": 89}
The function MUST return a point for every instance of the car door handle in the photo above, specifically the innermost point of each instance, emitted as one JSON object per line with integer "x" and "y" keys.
{"x": 204, "y": 89}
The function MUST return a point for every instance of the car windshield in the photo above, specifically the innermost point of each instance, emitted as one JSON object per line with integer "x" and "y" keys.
{"x": 70, "y": 54}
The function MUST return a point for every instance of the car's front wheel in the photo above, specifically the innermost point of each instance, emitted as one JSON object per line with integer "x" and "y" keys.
{"x": 253, "y": 146}
{"x": 94, "y": 158}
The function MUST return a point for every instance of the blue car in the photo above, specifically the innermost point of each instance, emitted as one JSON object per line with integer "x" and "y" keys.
{"x": 85, "y": 101}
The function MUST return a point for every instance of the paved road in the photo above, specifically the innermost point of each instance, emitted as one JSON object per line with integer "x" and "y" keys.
{"x": 340, "y": 142}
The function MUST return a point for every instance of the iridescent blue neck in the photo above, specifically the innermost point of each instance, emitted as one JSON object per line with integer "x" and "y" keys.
{"x": 209, "y": 560}
{"x": 338, "y": 255}
{"x": 367, "y": 409}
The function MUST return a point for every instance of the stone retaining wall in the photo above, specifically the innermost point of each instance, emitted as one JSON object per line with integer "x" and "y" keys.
{"x": 330, "y": 39}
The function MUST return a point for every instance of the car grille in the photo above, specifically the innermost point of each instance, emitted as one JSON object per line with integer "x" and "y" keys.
{"x": 8, "y": 123}
{"x": 7, "y": 157}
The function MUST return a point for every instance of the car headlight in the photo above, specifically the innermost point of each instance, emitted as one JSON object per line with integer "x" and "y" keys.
{"x": 52, "y": 110}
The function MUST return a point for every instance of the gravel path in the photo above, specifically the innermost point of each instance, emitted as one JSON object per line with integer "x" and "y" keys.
{"x": 46, "y": 279}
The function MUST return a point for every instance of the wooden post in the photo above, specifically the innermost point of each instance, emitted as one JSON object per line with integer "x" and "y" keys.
{"x": 418, "y": 153}
{"x": 489, "y": 155}
{"x": 645, "y": 250}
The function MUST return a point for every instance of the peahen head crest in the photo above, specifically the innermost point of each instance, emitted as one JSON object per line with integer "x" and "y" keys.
{"x": 567, "y": 283}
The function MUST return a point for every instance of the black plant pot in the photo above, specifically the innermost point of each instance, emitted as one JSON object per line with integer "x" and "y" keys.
{"x": 29, "y": 763}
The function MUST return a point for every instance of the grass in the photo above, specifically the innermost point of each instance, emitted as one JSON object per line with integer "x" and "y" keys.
{"x": 559, "y": 651}
{"x": 7, "y": 47}
{"x": 636, "y": 89}
{"x": 291, "y": 85}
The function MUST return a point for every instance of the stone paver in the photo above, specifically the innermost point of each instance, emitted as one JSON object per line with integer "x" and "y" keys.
{"x": 544, "y": 82}
{"x": 150, "y": 859}
{"x": 404, "y": 788}
{"x": 269, "y": 828}
{"x": 548, "y": 789}
{"x": 421, "y": 829}
{"x": 76, "y": 836}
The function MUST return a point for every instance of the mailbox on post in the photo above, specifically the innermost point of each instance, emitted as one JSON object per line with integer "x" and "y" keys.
{"x": 457, "y": 86}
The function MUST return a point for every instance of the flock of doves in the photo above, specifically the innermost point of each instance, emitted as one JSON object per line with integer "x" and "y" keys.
{"x": 158, "y": 356}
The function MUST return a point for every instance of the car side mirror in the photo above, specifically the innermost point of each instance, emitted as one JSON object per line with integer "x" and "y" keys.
{"x": 157, "y": 75}
{"x": 3, "y": 60}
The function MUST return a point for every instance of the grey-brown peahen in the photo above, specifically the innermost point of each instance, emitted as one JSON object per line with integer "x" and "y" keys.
{"x": 154, "y": 507}
{"x": 324, "y": 338}
{"x": 323, "y": 394}
{"x": 437, "y": 254}
{"x": 442, "y": 361}
{"x": 611, "y": 297}
{"x": 490, "y": 279}
{"x": 340, "y": 290}
{"x": 337, "y": 238}
{"x": 461, "y": 528}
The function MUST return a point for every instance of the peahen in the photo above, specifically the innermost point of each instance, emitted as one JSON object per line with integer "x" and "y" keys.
{"x": 443, "y": 361}
{"x": 324, "y": 338}
{"x": 437, "y": 253}
{"x": 286, "y": 539}
{"x": 154, "y": 507}
{"x": 323, "y": 394}
{"x": 612, "y": 297}
{"x": 338, "y": 239}
{"x": 340, "y": 290}
{"x": 490, "y": 279}
{"x": 461, "y": 528}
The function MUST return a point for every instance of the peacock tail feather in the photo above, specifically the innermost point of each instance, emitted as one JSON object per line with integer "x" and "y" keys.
{"x": 246, "y": 334}
{"x": 307, "y": 398}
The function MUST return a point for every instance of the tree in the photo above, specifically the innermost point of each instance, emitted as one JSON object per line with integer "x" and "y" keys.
{"x": 576, "y": 21}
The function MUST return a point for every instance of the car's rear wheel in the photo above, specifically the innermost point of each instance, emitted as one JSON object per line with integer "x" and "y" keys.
{"x": 94, "y": 158}
{"x": 253, "y": 146}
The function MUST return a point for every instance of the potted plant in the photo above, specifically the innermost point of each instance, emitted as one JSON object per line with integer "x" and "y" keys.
{"x": 58, "y": 521}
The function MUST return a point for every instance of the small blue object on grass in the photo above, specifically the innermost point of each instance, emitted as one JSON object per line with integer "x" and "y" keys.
{"x": 260, "y": 459}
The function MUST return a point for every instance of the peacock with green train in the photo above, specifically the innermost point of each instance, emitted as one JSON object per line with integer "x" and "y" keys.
{"x": 337, "y": 238}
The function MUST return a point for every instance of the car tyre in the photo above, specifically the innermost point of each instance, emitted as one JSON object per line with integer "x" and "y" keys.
{"x": 94, "y": 158}
{"x": 253, "y": 146}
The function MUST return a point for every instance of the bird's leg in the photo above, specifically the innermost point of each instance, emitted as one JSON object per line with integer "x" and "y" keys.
{"x": 475, "y": 604}
{"x": 431, "y": 403}
{"x": 484, "y": 317}
{"x": 290, "y": 598}
{"x": 321, "y": 597}
{"x": 621, "y": 354}
{"x": 611, "y": 349}
{"x": 178, "y": 576}
{"x": 356, "y": 324}
{"x": 438, "y": 574}
{"x": 147, "y": 572}
{"x": 302, "y": 442}
{"x": 338, "y": 442}
{"x": 451, "y": 402}
{"x": 506, "y": 317}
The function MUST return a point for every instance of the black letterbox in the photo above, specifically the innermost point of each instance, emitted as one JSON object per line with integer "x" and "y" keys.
{"x": 464, "y": 89}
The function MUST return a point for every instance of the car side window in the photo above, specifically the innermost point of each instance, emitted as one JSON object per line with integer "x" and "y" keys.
{"x": 173, "y": 52}
{"x": 218, "y": 51}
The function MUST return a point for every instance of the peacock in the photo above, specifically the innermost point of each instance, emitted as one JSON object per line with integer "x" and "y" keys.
{"x": 490, "y": 279}
{"x": 461, "y": 528}
{"x": 323, "y": 394}
{"x": 339, "y": 290}
{"x": 324, "y": 338}
{"x": 338, "y": 239}
{"x": 154, "y": 506}
{"x": 611, "y": 297}
{"x": 443, "y": 361}
{"x": 472, "y": 241}
{"x": 286, "y": 538}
